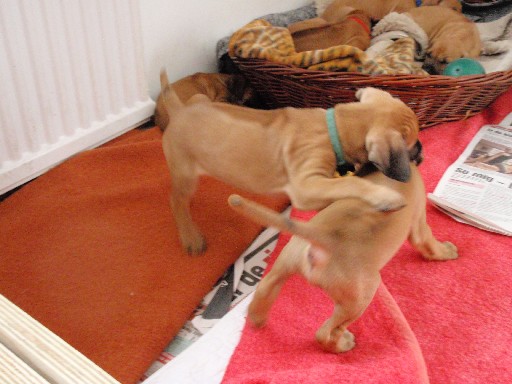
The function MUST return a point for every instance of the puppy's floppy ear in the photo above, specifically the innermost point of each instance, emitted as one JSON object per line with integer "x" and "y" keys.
{"x": 453, "y": 4}
{"x": 416, "y": 153}
{"x": 238, "y": 89}
{"x": 388, "y": 152}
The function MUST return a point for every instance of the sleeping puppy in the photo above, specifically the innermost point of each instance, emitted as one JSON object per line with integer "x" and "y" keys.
{"x": 377, "y": 9}
{"x": 216, "y": 86}
{"x": 451, "y": 35}
{"x": 341, "y": 250}
{"x": 348, "y": 26}
{"x": 284, "y": 151}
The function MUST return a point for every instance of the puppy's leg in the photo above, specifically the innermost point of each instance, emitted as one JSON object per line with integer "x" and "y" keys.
{"x": 423, "y": 240}
{"x": 269, "y": 287}
{"x": 191, "y": 237}
{"x": 266, "y": 293}
{"x": 184, "y": 183}
{"x": 313, "y": 193}
{"x": 333, "y": 335}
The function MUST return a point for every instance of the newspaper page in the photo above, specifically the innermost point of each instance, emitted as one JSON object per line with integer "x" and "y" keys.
{"x": 477, "y": 188}
{"x": 238, "y": 282}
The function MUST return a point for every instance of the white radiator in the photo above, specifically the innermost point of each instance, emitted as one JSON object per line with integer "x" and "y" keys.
{"x": 72, "y": 77}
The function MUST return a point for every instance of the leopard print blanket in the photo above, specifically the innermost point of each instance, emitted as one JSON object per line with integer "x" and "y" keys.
{"x": 260, "y": 40}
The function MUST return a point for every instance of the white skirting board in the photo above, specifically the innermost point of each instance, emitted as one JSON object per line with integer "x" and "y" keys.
{"x": 30, "y": 353}
{"x": 32, "y": 164}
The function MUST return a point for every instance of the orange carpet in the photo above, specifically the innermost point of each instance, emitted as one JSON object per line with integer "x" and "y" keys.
{"x": 90, "y": 250}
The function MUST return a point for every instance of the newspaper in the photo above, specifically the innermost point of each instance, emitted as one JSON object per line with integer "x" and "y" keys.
{"x": 238, "y": 282}
{"x": 477, "y": 188}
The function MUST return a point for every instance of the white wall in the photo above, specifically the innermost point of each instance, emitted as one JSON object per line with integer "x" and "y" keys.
{"x": 182, "y": 35}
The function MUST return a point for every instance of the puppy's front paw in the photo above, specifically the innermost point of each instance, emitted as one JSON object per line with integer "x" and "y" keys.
{"x": 385, "y": 199}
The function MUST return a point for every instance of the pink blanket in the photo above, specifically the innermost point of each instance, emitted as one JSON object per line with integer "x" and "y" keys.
{"x": 437, "y": 322}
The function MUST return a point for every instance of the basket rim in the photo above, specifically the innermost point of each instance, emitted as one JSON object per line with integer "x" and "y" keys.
{"x": 432, "y": 80}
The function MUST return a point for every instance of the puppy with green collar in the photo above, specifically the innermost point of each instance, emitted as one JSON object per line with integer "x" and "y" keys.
{"x": 285, "y": 151}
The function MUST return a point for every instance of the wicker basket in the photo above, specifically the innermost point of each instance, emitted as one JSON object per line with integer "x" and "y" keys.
{"x": 435, "y": 99}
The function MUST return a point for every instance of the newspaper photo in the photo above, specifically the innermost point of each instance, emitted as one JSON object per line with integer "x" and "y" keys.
{"x": 477, "y": 188}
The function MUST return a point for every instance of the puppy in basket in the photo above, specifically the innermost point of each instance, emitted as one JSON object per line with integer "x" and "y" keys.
{"x": 451, "y": 35}
{"x": 345, "y": 26}
{"x": 342, "y": 249}
{"x": 377, "y": 9}
{"x": 285, "y": 151}
{"x": 232, "y": 89}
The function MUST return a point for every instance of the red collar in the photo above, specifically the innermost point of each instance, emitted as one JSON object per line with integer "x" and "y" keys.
{"x": 361, "y": 22}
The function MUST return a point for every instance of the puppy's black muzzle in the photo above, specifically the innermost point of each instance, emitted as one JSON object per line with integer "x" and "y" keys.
{"x": 399, "y": 167}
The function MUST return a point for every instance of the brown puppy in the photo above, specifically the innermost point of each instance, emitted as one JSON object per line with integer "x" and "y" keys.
{"x": 232, "y": 89}
{"x": 377, "y": 9}
{"x": 451, "y": 35}
{"x": 341, "y": 250}
{"x": 349, "y": 26}
{"x": 285, "y": 150}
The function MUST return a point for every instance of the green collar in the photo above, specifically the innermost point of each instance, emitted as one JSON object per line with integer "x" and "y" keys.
{"x": 335, "y": 138}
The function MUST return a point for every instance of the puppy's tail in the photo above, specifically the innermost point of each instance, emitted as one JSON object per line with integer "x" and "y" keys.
{"x": 267, "y": 217}
{"x": 169, "y": 96}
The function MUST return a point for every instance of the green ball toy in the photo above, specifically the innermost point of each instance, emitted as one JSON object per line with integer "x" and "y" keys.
{"x": 464, "y": 67}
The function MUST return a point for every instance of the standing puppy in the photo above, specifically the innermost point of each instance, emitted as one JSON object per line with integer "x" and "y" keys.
{"x": 285, "y": 151}
{"x": 341, "y": 250}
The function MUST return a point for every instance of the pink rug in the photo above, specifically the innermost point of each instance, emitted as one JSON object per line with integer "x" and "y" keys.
{"x": 437, "y": 322}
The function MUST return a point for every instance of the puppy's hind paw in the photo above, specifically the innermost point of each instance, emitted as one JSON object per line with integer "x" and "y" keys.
{"x": 346, "y": 342}
{"x": 258, "y": 321}
{"x": 336, "y": 341}
{"x": 449, "y": 251}
{"x": 196, "y": 247}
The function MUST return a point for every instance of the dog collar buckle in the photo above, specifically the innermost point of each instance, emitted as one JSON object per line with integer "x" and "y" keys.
{"x": 341, "y": 164}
